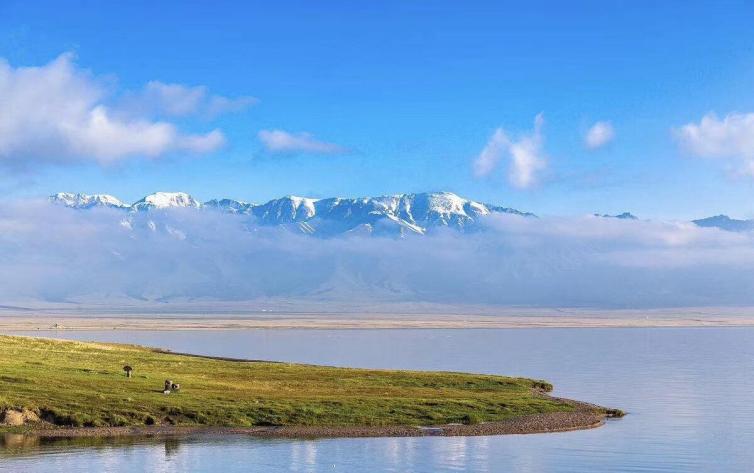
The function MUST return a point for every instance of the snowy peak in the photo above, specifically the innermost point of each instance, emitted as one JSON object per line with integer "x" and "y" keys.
{"x": 230, "y": 206}
{"x": 441, "y": 209}
{"x": 288, "y": 209}
{"x": 400, "y": 214}
{"x": 86, "y": 201}
{"x": 447, "y": 209}
{"x": 396, "y": 215}
{"x": 166, "y": 200}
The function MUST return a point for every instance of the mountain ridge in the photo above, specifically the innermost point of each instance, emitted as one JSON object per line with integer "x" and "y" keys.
{"x": 415, "y": 213}
{"x": 386, "y": 214}
{"x": 724, "y": 222}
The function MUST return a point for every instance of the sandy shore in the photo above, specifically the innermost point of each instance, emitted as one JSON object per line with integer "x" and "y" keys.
{"x": 275, "y": 314}
{"x": 372, "y": 321}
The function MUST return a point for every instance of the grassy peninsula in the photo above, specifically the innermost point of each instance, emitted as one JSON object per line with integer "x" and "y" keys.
{"x": 63, "y": 386}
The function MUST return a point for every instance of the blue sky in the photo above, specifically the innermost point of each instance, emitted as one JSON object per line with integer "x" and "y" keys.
{"x": 402, "y": 97}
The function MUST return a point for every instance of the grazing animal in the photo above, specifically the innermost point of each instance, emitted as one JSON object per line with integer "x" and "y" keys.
{"x": 128, "y": 370}
{"x": 170, "y": 386}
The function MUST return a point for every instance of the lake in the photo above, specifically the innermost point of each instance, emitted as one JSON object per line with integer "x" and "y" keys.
{"x": 688, "y": 394}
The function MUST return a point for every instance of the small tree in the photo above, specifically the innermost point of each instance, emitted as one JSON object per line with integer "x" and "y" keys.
{"x": 128, "y": 370}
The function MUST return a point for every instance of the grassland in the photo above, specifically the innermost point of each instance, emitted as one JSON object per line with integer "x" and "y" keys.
{"x": 75, "y": 385}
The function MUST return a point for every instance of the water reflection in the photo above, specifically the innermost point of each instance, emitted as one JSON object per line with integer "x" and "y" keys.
{"x": 172, "y": 446}
{"x": 16, "y": 444}
{"x": 11, "y": 444}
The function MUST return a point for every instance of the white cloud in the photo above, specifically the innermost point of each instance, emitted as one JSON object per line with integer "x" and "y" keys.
{"x": 731, "y": 138}
{"x": 59, "y": 113}
{"x": 174, "y": 99}
{"x": 527, "y": 158}
{"x": 203, "y": 143}
{"x": 280, "y": 141}
{"x": 600, "y": 134}
{"x": 492, "y": 153}
{"x": 218, "y": 105}
{"x": 178, "y": 100}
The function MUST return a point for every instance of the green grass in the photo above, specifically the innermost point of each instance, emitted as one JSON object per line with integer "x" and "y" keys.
{"x": 82, "y": 384}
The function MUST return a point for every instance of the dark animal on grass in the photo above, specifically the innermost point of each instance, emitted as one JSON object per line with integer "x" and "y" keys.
{"x": 128, "y": 370}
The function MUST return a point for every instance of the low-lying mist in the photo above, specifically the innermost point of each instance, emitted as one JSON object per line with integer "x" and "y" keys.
{"x": 55, "y": 254}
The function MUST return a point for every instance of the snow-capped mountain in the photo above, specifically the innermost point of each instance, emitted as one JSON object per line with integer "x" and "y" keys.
{"x": 288, "y": 209}
{"x": 397, "y": 214}
{"x": 413, "y": 213}
{"x": 84, "y": 201}
{"x": 166, "y": 200}
{"x": 403, "y": 213}
{"x": 383, "y": 215}
{"x": 229, "y": 205}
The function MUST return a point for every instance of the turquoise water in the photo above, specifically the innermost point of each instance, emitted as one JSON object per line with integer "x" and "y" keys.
{"x": 688, "y": 392}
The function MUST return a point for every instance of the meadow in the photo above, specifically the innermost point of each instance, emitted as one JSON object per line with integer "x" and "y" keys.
{"x": 77, "y": 384}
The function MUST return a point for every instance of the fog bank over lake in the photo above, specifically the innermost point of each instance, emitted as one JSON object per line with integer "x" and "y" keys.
{"x": 67, "y": 256}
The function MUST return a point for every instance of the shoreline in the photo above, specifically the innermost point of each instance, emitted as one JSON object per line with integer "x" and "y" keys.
{"x": 11, "y": 323}
{"x": 582, "y": 418}
{"x": 298, "y": 314}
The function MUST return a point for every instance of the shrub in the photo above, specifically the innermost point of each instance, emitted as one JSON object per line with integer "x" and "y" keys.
{"x": 470, "y": 419}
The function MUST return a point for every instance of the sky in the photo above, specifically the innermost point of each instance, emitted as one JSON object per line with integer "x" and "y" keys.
{"x": 554, "y": 108}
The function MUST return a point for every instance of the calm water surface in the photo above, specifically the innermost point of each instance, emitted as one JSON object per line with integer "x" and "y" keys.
{"x": 689, "y": 392}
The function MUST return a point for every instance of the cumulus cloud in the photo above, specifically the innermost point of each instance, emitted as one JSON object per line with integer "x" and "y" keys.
{"x": 280, "y": 141}
{"x": 730, "y": 138}
{"x": 527, "y": 158}
{"x": 178, "y": 100}
{"x": 598, "y": 135}
{"x": 57, "y": 254}
{"x": 60, "y": 113}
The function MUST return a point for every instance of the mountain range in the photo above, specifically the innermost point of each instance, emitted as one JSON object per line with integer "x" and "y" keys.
{"x": 396, "y": 214}
{"x": 393, "y": 214}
